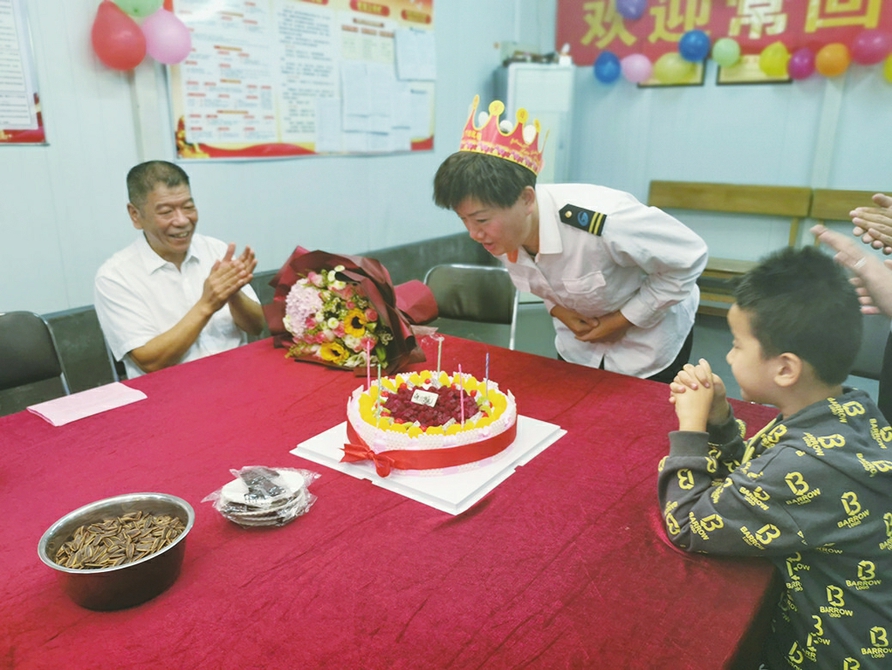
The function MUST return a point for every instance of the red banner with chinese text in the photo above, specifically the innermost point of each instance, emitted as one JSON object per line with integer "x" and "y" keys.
{"x": 593, "y": 26}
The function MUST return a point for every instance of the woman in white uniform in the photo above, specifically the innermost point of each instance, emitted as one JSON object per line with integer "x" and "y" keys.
{"x": 618, "y": 277}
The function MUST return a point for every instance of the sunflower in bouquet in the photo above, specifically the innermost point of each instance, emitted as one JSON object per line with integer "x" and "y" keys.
{"x": 332, "y": 321}
{"x": 344, "y": 312}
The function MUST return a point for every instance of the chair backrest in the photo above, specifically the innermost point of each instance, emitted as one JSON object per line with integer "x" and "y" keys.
{"x": 791, "y": 201}
{"x": 28, "y": 352}
{"x": 832, "y": 204}
{"x": 482, "y": 293}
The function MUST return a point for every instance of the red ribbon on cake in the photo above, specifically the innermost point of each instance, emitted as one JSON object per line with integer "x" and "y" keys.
{"x": 427, "y": 459}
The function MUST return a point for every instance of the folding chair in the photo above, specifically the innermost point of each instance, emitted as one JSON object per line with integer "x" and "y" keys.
{"x": 28, "y": 352}
{"x": 475, "y": 293}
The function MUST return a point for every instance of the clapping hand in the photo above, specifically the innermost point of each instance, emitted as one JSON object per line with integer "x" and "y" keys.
{"x": 228, "y": 275}
{"x": 874, "y": 224}
{"x": 872, "y": 279}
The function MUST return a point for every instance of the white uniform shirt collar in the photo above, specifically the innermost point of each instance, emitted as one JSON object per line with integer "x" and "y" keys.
{"x": 150, "y": 258}
{"x": 549, "y": 232}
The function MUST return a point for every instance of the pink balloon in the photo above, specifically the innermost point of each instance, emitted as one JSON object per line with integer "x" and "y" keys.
{"x": 168, "y": 39}
{"x": 871, "y": 46}
{"x": 801, "y": 64}
{"x": 636, "y": 68}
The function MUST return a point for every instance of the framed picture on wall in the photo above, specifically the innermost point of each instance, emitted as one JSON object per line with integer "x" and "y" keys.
{"x": 696, "y": 78}
{"x": 747, "y": 71}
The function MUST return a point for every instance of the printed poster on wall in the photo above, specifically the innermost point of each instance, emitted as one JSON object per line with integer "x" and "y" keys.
{"x": 20, "y": 119}
{"x": 285, "y": 78}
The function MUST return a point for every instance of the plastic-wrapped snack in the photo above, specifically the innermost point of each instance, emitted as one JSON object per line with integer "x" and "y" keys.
{"x": 262, "y": 496}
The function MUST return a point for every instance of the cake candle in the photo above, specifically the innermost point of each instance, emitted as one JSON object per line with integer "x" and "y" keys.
{"x": 439, "y": 353}
{"x": 461, "y": 394}
{"x": 486, "y": 380}
{"x": 368, "y": 365}
{"x": 378, "y": 399}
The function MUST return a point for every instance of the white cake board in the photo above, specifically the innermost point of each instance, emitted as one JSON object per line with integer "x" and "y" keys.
{"x": 457, "y": 488}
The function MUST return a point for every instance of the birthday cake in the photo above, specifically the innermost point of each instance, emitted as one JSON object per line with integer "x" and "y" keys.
{"x": 425, "y": 421}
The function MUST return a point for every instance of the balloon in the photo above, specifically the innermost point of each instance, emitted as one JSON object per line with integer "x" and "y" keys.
{"x": 871, "y": 46}
{"x": 167, "y": 39}
{"x": 631, "y": 9}
{"x": 887, "y": 69}
{"x": 607, "y": 67}
{"x": 726, "y": 51}
{"x": 671, "y": 68}
{"x": 773, "y": 59}
{"x": 802, "y": 64}
{"x": 636, "y": 68}
{"x": 117, "y": 40}
{"x": 833, "y": 59}
{"x": 694, "y": 46}
{"x": 139, "y": 8}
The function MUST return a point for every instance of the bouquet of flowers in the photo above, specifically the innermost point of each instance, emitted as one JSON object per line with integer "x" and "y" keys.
{"x": 343, "y": 311}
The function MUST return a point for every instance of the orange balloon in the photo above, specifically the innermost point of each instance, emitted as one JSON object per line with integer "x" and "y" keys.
{"x": 833, "y": 59}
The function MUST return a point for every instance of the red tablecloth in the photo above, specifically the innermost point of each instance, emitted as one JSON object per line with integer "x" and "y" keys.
{"x": 564, "y": 565}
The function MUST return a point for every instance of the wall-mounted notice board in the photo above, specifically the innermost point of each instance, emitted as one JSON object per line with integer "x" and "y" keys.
{"x": 20, "y": 119}
{"x": 286, "y": 78}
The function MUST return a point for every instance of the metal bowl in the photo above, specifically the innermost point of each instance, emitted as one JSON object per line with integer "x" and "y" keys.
{"x": 123, "y": 585}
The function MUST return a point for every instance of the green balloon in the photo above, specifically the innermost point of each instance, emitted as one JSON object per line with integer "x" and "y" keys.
{"x": 726, "y": 52}
{"x": 139, "y": 8}
{"x": 671, "y": 68}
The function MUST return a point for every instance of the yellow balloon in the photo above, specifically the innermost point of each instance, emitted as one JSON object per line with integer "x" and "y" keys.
{"x": 887, "y": 69}
{"x": 773, "y": 59}
{"x": 671, "y": 68}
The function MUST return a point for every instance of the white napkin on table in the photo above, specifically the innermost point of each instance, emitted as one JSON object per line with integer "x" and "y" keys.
{"x": 86, "y": 403}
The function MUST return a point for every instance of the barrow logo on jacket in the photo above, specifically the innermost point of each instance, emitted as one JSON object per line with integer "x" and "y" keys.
{"x": 584, "y": 219}
{"x": 761, "y": 537}
{"x": 867, "y": 577}
{"x": 887, "y": 545}
{"x": 854, "y": 513}
{"x": 882, "y": 435}
{"x": 879, "y": 643}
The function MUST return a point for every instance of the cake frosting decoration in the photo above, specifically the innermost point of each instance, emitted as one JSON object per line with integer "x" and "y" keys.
{"x": 425, "y": 421}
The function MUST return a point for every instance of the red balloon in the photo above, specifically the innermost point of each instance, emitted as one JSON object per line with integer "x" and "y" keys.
{"x": 117, "y": 39}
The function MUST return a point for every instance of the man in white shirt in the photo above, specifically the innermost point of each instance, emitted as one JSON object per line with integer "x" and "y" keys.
{"x": 173, "y": 295}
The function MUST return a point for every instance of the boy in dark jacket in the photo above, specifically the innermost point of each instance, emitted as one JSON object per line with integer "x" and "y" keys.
{"x": 812, "y": 491}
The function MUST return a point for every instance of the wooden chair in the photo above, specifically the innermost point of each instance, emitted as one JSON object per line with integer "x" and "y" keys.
{"x": 829, "y": 204}
{"x": 480, "y": 294}
{"x": 779, "y": 201}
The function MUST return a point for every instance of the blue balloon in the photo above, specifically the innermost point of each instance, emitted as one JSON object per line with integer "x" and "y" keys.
{"x": 607, "y": 67}
{"x": 694, "y": 46}
{"x": 631, "y": 9}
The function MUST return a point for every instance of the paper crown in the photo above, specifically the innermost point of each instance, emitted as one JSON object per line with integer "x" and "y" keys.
{"x": 519, "y": 145}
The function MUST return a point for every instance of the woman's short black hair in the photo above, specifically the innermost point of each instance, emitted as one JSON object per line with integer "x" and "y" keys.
{"x": 492, "y": 181}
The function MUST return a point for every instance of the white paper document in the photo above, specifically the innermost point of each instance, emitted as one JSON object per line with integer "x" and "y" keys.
{"x": 454, "y": 491}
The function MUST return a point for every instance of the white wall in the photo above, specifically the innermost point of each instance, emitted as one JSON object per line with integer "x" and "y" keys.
{"x": 63, "y": 207}
{"x": 62, "y": 212}
{"x": 818, "y": 133}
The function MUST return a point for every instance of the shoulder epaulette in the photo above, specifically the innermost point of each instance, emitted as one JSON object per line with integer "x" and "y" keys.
{"x": 584, "y": 219}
